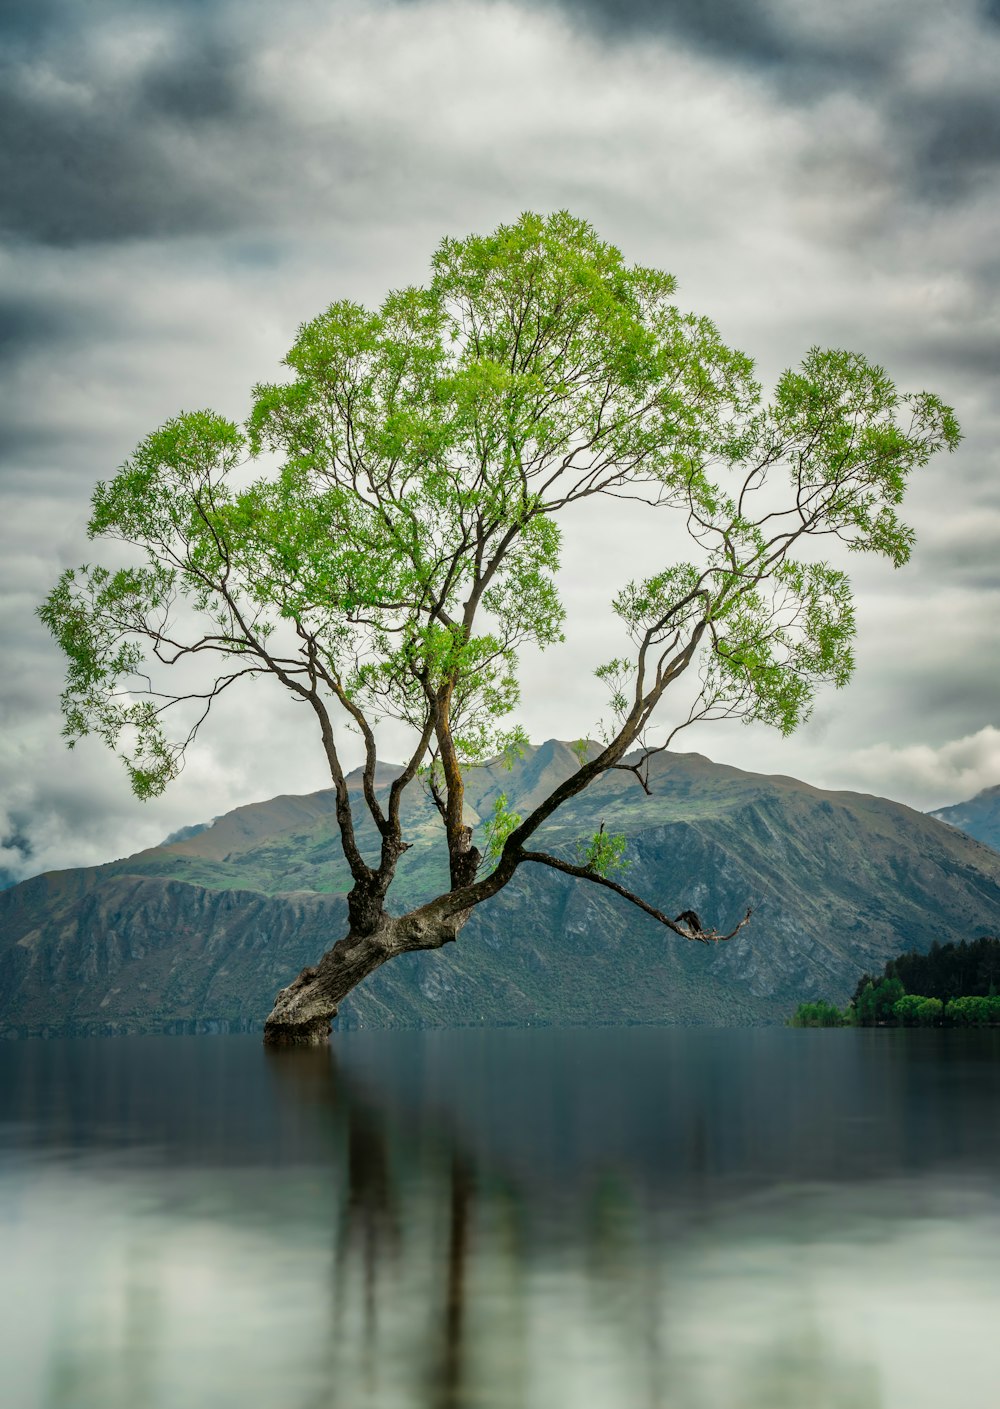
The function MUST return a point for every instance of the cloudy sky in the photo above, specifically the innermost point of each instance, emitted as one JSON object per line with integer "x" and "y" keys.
{"x": 183, "y": 181}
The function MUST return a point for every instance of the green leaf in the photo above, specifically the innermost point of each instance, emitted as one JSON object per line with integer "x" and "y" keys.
{"x": 604, "y": 853}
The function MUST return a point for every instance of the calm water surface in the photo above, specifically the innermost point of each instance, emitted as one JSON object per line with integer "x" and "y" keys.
{"x": 695, "y": 1219}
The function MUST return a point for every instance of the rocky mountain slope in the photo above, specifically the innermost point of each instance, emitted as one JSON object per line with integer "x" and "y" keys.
{"x": 200, "y": 933}
{"x": 979, "y": 817}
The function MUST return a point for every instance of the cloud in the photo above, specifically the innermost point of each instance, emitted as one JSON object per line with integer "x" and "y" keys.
{"x": 101, "y": 143}
{"x": 930, "y": 79}
{"x": 730, "y": 28}
{"x": 187, "y": 182}
{"x": 930, "y": 777}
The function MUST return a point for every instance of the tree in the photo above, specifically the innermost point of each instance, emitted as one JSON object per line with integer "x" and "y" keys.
{"x": 877, "y": 1002}
{"x": 929, "y": 1012}
{"x": 865, "y": 981}
{"x": 970, "y": 1010}
{"x": 407, "y": 543}
{"x": 818, "y": 1014}
{"x": 908, "y": 1009}
{"x": 947, "y": 970}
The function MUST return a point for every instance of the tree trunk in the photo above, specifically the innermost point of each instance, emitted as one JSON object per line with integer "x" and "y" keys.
{"x": 303, "y": 1012}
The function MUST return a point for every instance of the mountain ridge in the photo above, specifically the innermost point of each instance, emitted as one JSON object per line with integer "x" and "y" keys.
{"x": 978, "y": 816}
{"x": 204, "y": 930}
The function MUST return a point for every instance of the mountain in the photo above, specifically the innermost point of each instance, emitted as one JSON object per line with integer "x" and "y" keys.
{"x": 979, "y": 817}
{"x": 201, "y": 932}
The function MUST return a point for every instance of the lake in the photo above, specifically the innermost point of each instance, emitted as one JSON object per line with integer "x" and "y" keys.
{"x": 692, "y": 1218}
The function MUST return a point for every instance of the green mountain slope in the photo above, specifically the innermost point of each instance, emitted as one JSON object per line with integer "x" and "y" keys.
{"x": 979, "y": 817}
{"x": 203, "y": 931}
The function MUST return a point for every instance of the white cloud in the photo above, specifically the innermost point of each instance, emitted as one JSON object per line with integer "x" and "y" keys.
{"x": 927, "y": 777}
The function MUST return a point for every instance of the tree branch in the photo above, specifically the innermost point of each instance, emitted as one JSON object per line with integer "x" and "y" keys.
{"x": 691, "y": 929}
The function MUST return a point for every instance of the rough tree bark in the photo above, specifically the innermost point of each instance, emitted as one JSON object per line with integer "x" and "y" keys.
{"x": 304, "y": 1011}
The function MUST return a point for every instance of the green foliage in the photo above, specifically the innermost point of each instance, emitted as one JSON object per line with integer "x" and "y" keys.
{"x": 950, "y": 970}
{"x": 404, "y": 548}
{"x": 91, "y": 613}
{"x": 862, "y": 984}
{"x": 499, "y": 827}
{"x": 929, "y": 1011}
{"x": 973, "y": 1010}
{"x": 516, "y": 745}
{"x": 906, "y": 1010}
{"x": 766, "y": 664}
{"x": 819, "y": 1014}
{"x": 604, "y": 853}
{"x": 953, "y": 984}
{"x": 877, "y": 1002}
{"x": 883, "y": 1002}
{"x": 617, "y": 675}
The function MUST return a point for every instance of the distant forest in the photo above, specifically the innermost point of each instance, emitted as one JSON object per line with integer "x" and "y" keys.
{"x": 947, "y": 971}
{"x": 953, "y": 985}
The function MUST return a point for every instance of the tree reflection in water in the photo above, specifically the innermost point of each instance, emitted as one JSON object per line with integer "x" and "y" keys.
{"x": 422, "y": 1241}
{"x": 506, "y": 1220}
{"x": 367, "y": 1224}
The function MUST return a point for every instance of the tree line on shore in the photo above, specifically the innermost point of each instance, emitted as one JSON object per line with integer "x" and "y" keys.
{"x": 954, "y": 985}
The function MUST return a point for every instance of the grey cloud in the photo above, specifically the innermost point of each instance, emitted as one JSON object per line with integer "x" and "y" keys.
{"x": 21, "y": 26}
{"x": 186, "y": 145}
{"x": 24, "y": 26}
{"x": 736, "y": 28}
{"x": 953, "y": 139}
{"x": 29, "y": 323}
{"x": 197, "y": 83}
{"x": 947, "y": 140}
{"x": 959, "y": 698}
{"x": 16, "y": 853}
{"x": 68, "y": 180}
{"x": 977, "y": 352}
{"x": 751, "y": 34}
{"x": 93, "y": 154}
{"x": 963, "y": 548}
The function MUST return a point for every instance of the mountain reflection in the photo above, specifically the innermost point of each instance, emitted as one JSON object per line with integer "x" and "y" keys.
{"x": 433, "y": 1221}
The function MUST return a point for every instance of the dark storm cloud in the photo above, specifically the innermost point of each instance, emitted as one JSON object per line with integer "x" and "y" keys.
{"x": 29, "y": 323}
{"x": 953, "y": 139}
{"x": 99, "y": 151}
{"x": 736, "y": 28}
{"x": 948, "y": 140}
{"x": 192, "y": 88}
{"x": 94, "y": 153}
{"x": 27, "y": 451}
{"x": 23, "y": 23}
{"x": 741, "y": 31}
{"x": 23, "y": 325}
{"x": 974, "y": 351}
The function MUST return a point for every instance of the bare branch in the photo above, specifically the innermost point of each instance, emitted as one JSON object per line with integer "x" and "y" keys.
{"x": 691, "y": 928}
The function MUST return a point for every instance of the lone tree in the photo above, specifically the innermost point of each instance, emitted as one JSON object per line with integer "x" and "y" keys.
{"x": 408, "y": 541}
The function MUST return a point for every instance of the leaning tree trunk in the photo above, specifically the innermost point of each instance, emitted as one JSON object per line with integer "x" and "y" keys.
{"x": 303, "y": 1012}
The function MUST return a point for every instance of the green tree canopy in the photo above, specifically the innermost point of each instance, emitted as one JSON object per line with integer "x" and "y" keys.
{"x": 402, "y": 542}
{"x": 878, "y": 1000}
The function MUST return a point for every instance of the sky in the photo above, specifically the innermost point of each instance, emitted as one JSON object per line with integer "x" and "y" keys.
{"x": 183, "y": 182}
